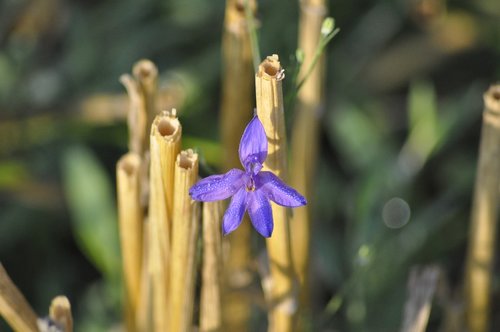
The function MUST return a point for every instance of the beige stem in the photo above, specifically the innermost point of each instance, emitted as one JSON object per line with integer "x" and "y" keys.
{"x": 422, "y": 285}
{"x": 269, "y": 94}
{"x": 484, "y": 217}
{"x": 144, "y": 312}
{"x": 60, "y": 312}
{"x": 130, "y": 216}
{"x": 210, "y": 302}
{"x": 136, "y": 118}
{"x": 13, "y": 306}
{"x": 185, "y": 228}
{"x": 167, "y": 131}
{"x": 236, "y": 111}
{"x": 146, "y": 74}
{"x": 304, "y": 145}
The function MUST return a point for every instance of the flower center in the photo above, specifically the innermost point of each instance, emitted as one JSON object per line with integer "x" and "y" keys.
{"x": 250, "y": 186}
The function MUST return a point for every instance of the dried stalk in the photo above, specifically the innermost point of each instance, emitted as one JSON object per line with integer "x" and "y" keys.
{"x": 60, "y": 313}
{"x": 185, "y": 229}
{"x": 210, "y": 302}
{"x": 108, "y": 108}
{"x": 268, "y": 83}
{"x": 484, "y": 217}
{"x": 142, "y": 92}
{"x": 304, "y": 145}
{"x": 159, "y": 237}
{"x": 167, "y": 131}
{"x": 144, "y": 311}
{"x": 165, "y": 146}
{"x": 146, "y": 74}
{"x": 137, "y": 117}
{"x": 422, "y": 285}
{"x": 130, "y": 216}
{"x": 13, "y": 306}
{"x": 237, "y": 94}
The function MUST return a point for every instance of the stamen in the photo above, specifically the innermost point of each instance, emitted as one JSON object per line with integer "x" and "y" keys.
{"x": 250, "y": 186}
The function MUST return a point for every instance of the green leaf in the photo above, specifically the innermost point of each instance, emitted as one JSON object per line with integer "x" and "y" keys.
{"x": 424, "y": 132}
{"x": 357, "y": 135}
{"x": 210, "y": 150}
{"x": 92, "y": 208}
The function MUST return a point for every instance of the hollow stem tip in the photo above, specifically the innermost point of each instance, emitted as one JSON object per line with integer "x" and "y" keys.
{"x": 187, "y": 159}
{"x": 492, "y": 99}
{"x": 168, "y": 125}
{"x": 145, "y": 71}
{"x": 271, "y": 68}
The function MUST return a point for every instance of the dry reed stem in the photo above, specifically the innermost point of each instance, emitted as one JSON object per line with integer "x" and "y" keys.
{"x": 137, "y": 117}
{"x": 167, "y": 130}
{"x": 144, "y": 311}
{"x": 108, "y": 108}
{"x": 185, "y": 227}
{"x": 484, "y": 217}
{"x": 142, "y": 92}
{"x": 130, "y": 217}
{"x": 237, "y": 94}
{"x": 304, "y": 144}
{"x": 210, "y": 301}
{"x": 13, "y": 306}
{"x": 422, "y": 285}
{"x": 160, "y": 238}
{"x": 60, "y": 313}
{"x": 268, "y": 83}
{"x": 146, "y": 74}
{"x": 165, "y": 146}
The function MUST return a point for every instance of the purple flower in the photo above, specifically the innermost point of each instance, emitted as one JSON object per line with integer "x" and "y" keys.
{"x": 251, "y": 189}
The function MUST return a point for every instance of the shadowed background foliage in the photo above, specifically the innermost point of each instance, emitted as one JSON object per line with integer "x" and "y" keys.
{"x": 399, "y": 137}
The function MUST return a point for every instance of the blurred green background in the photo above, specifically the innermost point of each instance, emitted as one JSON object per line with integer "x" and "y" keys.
{"x": 399, "y": 139}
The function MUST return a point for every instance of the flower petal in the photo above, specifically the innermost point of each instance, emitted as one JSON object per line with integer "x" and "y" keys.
{"x": 277, "y": 191}
{"x": 253, "y": 145}
{"x": 235, "y": 211}
{"x": 218, "y": 187}
{"x": 260, "y": 213}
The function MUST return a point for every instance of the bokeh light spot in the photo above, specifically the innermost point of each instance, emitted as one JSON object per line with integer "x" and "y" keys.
{"x": 396, "y": 213}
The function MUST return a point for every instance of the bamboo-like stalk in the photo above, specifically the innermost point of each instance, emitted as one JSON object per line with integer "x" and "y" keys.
{"x": 210, "y": 300}
{"x": 237, "y": 94}
{"x": 167, "y": 131}
{"x": 484, "y": 217}
{"x": 185, "y": 227}
{"x": 160, "y": 238}
{"x": 130, "y": 217}
{"x": 146, "y": 75}
{"x": 422, "y": 285}
{"x": 144, "y": 311}
{"x": 60, "y": 313}
{"x": 108, "y": 108}
{"x": 13, "y": 306}
{"x": 165, "y": 146}
{"x": 142, "y": 93}
{"x": 269, "y": 94}
{"x": 304, "y": 144}
{"x": 136, "y": 117}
